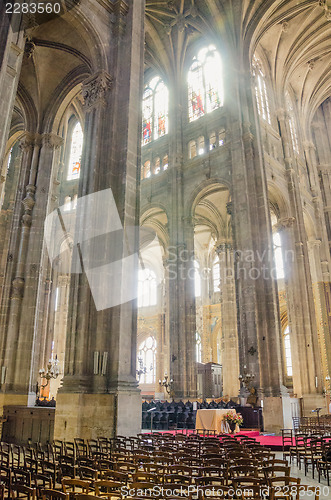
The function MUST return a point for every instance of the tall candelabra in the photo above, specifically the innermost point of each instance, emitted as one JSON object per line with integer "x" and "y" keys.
{"x": 246, "y": 378}
{"x": 166, "y": 383}
{"x": 52, "y": 371}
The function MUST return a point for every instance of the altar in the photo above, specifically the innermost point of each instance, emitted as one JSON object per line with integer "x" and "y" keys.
{"x": 213, "y": 420}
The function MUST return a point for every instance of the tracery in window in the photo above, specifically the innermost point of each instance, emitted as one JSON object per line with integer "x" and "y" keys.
{"x": 198, "y": 347}
{"x": 201, "y": 145}
{"x": 165, "y": 162}
{"x": 221, "y": 137}
{"x": 212, "y": 141}
{"x": 192, "y": 149}
{"x": 292, "y": 125}
{"x": 216, "y": 275}
{"x": 288, "y": 354}
{"x": 261, "y": 94}
{"x": 76, "y": 149}
{"x": 146, "y": 170}
{"x": 157, "y": 166}
{"x": 205, "y": 83}
{"x": 279, "y": 263}
{"x": 147, "y": 288}
{"x": 155, "y": 110}
{"x": 147, "y": 360}
{"x": 197, "y": 280}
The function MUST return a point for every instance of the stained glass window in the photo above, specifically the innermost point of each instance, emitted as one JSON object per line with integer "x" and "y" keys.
{"x": 75, "y": 152}
{"x": 147, "y": 360}
{"x": 155, "y": 110}
{"x": 147, "y": 288}
{"x": 205, "y": 83}
{"x": 261, "y": 94}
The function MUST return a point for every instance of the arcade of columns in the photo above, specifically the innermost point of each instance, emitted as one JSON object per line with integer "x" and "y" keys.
{"x": 97, "y": 53}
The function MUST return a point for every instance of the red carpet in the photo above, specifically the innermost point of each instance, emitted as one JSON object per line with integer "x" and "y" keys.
{"x": 273, "y": 442}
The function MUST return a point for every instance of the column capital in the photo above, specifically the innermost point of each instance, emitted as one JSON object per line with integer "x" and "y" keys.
{"x": 52, "y": 141}
{"x": 285, "y": 223}
{"x": 95, "y": 88}
{"x": 29, "y": 140}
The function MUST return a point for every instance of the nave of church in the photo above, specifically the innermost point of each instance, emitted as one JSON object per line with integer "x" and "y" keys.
{"x": 165, "y": 196}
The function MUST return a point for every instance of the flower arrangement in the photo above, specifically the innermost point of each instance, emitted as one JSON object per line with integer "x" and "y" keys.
{"x": 233, "y": 418}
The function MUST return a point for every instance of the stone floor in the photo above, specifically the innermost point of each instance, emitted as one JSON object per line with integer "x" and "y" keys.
{"x": 325, "y": 490}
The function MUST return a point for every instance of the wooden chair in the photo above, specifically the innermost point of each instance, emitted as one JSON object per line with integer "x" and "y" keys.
{"x": 177, "y": 479}
{"x": 307, "y": 488}
{"x": 222, "y": 493}
{"x": 41, "y": 482}
{"x": 284, "y": 487}
{"x": 84, "y": 496}
{"x": 108, "y": 489}
{"x": 23, "y": 492}
{"x": 146, "y": 476}
{"x": 243, "y": 470}
{"x": 88, "y": 473}
{"x": 48, "y": 494}
{"x": 75, "y": 486}
{"x": 21, "y": 476}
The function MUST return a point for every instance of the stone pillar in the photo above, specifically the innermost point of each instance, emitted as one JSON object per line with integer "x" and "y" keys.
{"x": 11, "y": 54}
{"x": 180, "y": 281}
{"x": 181, "y": 317}
{"x": 230, "y": 358}
{"x": 301, "y": 300}
{"x": 99, "y": 395}
{"x": 23, "y": 340}
{"x": 256, "y": 290}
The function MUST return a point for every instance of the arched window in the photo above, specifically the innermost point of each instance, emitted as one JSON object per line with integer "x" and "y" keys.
{"x": 157, "y": 166}
{"x": 279, "y": 263}
{"x": 205, "y": 83}
{"x": 147, "y": 360}
{"x": 198, "y": 347}
{"x": 146, "y": 170}
{"x": 221, "y": 137}
{"x": 212, "y": 141}
{"x": 165, "y": 162}
{"x": 147, "y": 288}
{"x": 155, "y": 110}
{"x": 192, "y": 149}
{"x": 76, "y": 149}
{"x": 292, "y": 125}
{"x": 216, "y": 275}
{"x": 288, "y": 354}
{"x": 197, "y": 280}
{"x": 201, "y": 145}
{"x": 261, "y": 90}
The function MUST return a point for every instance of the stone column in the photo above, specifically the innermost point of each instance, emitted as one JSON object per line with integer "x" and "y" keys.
{"x": 302, "y": 310}
{"x": 181, "y": 306}
{"x": 23, "y": 335}
{"x": 99, "y": 394}
{"x": 11, "y": 54}
{"x": 256, "y": 289}
{"x": 230, "y": 358}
